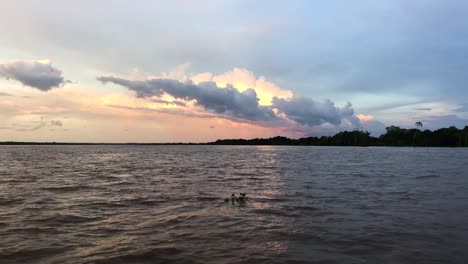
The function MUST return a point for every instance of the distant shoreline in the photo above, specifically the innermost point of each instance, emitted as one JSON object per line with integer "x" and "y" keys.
{"x": 199, "y": 144}
{"x": 6, "y": 143}
{"x": 394, "y": 137}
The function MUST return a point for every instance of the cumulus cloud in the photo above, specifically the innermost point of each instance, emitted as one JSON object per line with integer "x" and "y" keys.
{"x": 37, "y": 74}
{"x": 365, "y": 118}
{"x": 242, "y": 79}
{"x": 308, "y": 112}
{"x": 228, "y": 100}
{"x": 222, "y": 100}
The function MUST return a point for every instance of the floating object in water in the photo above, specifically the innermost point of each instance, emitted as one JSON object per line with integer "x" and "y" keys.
{"x": 242, "y": 196}
{"x": 241, "y": 199}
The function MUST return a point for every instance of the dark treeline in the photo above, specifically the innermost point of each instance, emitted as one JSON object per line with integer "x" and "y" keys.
{"x": 395, "y": 136}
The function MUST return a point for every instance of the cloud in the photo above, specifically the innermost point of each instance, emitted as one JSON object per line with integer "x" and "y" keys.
{"x": 368, "y": 123}
{"x": 375, "y": 127}
{"x": 365, "y": 118}
{"x": 423, "y": 109}
{"x": 178, "y": 103}
{"x": 308, "y": 112}
{"x": 243, "y": 79}
{"x": 229, "y": 100}
{"x": 37, "y": 74}
{"x": 295, "y": 114}
{"x": 169, "y": 111}
{"x": 160, "y": 101}
{"x": 56, "y": 123}
{"x": 5, "y": 94}
{"x": 33, "y": 125}
{"x": 438, "y": 121}
{"x": 28, "y": 127}
{"x": 462, "y": 109}
{"x": 174, "y": 102}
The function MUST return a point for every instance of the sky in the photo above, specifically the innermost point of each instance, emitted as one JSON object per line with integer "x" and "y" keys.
{"x": 197, "y": 71}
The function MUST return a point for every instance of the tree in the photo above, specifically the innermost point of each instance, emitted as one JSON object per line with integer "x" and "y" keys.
{"x": 418, "y": 124}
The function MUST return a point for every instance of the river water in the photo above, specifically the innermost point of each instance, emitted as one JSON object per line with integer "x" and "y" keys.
{"x": 165, "y": 204}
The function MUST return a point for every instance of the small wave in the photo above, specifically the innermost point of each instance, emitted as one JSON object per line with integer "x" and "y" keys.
{"x": 64, "y": 188}
{"x": 243, "y": 174}
{"x": 5, "y": 202}
{"x": 157, "y": 255}
{"x": 32, "y": 230}
{"x": 27, "y": 255}
{"x": 137, "y": 201}
{"x": 424, "y": 177}
{"x": 229, "y": 223}
{"x": 150, "y": 202}
{"x": 67, "y": 219}
{"x": 100, "y": 205}
{"x": 275, "y": 212}
{"x": 268, "y": 200}
{"x": 209, "y": 199}
{"x": 255, "y": 178}
{"x": 112, "y": 183}
{"x": 301, "y": 208}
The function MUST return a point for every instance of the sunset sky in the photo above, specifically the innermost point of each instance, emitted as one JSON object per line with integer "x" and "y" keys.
{"x": 171, "y": 71}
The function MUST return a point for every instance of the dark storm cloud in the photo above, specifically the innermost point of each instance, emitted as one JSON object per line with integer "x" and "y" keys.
{"x": 229, "y": 101}
{"x": 34, "y": 74}
{"x": 308, "y": 112}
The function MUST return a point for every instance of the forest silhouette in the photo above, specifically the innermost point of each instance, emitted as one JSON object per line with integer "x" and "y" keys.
{"x": 394, "y": 136}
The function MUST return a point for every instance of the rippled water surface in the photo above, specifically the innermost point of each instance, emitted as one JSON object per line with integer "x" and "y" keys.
{"x": 165, "y": 204}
